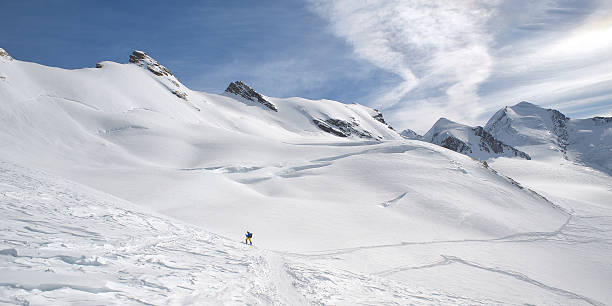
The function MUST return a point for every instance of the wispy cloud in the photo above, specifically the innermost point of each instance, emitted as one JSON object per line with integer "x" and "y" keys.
{"x": 464, "y": 59}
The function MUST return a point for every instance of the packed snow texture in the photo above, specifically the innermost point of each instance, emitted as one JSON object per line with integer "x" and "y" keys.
{"x": 114, "y": 189}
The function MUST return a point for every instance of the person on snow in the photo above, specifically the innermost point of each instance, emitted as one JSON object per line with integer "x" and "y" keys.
{"x": 249, "y": 235}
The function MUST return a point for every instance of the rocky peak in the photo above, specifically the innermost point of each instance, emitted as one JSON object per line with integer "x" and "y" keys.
{"x": 378, "y": 116}
{"x": 165, "y": 77}
{"x": 245, "y": 91}
{"x": 5, "y": 55}
{"x": 472, "y": 141}
{"x": 410, "y": 134}
{"x": 511, "y": 123}
{"x": 143, "y": 60}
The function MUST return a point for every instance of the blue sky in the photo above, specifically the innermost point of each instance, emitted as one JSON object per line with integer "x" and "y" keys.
{"x": 417, "y": 60}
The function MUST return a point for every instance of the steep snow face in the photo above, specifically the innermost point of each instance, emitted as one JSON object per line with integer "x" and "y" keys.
{"x": 590, "y": 142}
{"x": 474, "y": 142}
{"x": 526, "y": 124}
{"x": 547, "y": 133}
{"x": 340, "y": 120}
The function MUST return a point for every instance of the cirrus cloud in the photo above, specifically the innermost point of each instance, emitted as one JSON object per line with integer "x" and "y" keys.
{"x": 465, "y": 59}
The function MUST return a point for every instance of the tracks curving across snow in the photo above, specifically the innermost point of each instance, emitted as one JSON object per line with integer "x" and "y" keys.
{"x": 62, "y": 243}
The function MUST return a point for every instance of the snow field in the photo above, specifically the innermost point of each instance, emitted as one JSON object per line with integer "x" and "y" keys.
{"x": 132, "y": 195}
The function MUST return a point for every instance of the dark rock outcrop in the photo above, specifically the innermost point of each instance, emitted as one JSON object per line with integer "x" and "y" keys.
{"x": 164, "y": 74}
{"x": 5, "y": 55}
{"x": 475, "y": 142}
{"x": 488, "y": 143}
{"x": 143, "y": 60}
{"x": 379, "y": 117}
{"x": 243, "y": 90}
{"x": 456, "y": 145}
{"x": 342, "y": 128}
{"x": 559, "y": 128}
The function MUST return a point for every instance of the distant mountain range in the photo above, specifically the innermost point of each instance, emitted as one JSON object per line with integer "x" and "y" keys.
{"x": 528, "y": 131}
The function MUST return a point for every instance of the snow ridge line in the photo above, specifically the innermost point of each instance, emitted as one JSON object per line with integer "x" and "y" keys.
{"x": 524, "y": 278}
{"x": 533, "y": 192}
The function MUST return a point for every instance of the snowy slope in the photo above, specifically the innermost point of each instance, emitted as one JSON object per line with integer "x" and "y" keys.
{"x": 435, "y": 226}
{"x": 472, "y": 141}
{"x": 547, "y": 133}
{"x": 63, "y": 243}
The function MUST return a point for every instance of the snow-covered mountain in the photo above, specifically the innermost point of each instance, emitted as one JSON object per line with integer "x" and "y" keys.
{"x": 528, "y": 131}
{"x": 410, "y": 134}
{"x": 542, "y": 132}
{"x": 120, "y": 184}
{"x": 475, "y": 142}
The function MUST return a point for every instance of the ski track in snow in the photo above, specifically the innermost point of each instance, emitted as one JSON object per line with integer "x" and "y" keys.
{"x": 143, "y": 267}
{"x": 524, "y": 278}
{"x": 62, "y": 233}
{"x": 569, "y": 232}
{"x": 448, "y": 260}
{"x": 579, "y": 233}
{"x": 63, "y": 243}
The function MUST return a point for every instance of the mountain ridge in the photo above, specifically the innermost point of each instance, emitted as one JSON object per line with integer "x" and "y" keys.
{"x": 529, "y": 131}
{"x": 472, "y": 141}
